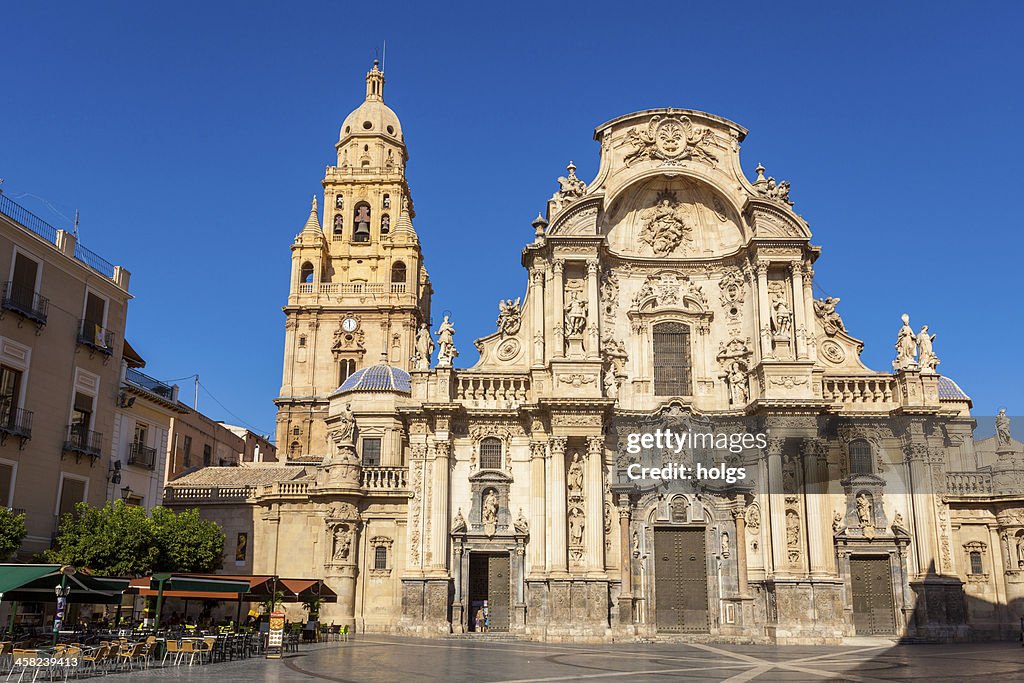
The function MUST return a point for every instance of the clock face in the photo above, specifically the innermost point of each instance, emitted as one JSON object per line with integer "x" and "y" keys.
{"x": 349, "y": 324}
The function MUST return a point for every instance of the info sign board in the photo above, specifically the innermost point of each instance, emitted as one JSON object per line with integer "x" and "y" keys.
{"x": 275, "y": 639}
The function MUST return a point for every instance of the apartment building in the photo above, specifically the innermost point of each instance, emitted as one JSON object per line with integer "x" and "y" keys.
{"x": 62, "y": 321}
{"x": 255, "y": 447}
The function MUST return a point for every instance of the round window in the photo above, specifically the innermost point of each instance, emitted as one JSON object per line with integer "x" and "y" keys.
{"x": 391, "y": 130}
{"x": 348, "y": 129}
{"x": 367, "y": 125}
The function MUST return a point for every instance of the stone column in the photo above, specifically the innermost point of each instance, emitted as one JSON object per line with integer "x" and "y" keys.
{"x": 741, "y": 551}
{"x": 777, "y": 501}
{"x": 558, "y": 308}
{"x": 439, "y": 512}
{"x": 594, "y": 531}
{"x": 558, "y": 556}
{"x": 764, "y": 309}
{"x": 923, "y": 524}
{"x": 809, "y": 314}
{"x": 537, "y": 301}
{"x": 799, "y": 318}
{"x": 819, "y": 537}
{"x": 593, "y": 314}
{"x": 538, "y": 508}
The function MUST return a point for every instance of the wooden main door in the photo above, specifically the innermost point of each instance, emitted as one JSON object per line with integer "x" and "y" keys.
{"x": 873, "y": 608}
{"x": 680, "y": 580}
{"x": 490, "y": 580}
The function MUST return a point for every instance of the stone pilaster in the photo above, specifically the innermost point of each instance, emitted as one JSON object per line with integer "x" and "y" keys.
{"x": 808, "y": 282}
{"x": 625, "y": 564}
{"x": 777, "y": 502}
{"x": 764, "y": 311}
{"x": 538, "y": 508}
{"x": 537, "y": 303}
{"x": 440, "y": 472}
{"x": 593, "y": 314}
{"x": 739, "y": 516}
{"x": 594, "y": 531}
{"x": 558, "y": 550}
{"x": 799, "y": 316}
{"x": 558, "y": 308}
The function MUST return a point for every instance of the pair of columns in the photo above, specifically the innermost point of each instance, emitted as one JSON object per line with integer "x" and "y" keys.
{"x": 803, "y": 303}
{"x": 557, "y": 295}
{"x": 815, "y": 527}
{"x": 593, "y": 530}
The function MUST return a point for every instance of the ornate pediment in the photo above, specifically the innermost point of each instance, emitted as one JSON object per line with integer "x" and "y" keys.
{"x": 579, "y": 218}
{"x": 671, "y": 140}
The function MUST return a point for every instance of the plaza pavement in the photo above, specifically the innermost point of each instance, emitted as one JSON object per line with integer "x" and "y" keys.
{"x": 383, "y": 659}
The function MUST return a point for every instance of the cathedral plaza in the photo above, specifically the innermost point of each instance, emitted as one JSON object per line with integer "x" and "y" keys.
{"x": 667, "y": 436}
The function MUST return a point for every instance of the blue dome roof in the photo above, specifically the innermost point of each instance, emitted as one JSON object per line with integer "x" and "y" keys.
{"x": 948, "y": 389}
{"x": 381, "y": 377}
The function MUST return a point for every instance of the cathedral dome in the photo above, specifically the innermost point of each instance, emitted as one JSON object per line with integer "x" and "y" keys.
{"x": 382, "y": 377}
{"x": 372, "y": 117}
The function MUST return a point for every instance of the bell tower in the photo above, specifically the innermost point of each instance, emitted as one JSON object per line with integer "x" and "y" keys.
{"x": 359, "y": 289}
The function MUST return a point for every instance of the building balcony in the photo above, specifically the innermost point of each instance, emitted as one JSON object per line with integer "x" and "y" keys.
{"x": 79, "y": 442}
{"x": 153, "y": 386}
{"x": 343, "y": 288}
{"x": 29, "y": 304}
{"x": 384, "y": 479}
{"x": 16, "y": 422}
{"x": 142, "y": 456}
{"x": 95, "y": 337}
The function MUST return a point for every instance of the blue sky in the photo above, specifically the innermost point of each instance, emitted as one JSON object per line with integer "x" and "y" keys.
{"x": 191, "y": 136}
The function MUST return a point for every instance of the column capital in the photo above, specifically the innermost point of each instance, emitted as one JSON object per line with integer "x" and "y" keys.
{"x": 762, "y": 268}
{"x": 595, "y": 444}
{"x": 775, "y": 445}
{"x": 538, "y": 449}
{"x": 796, "y": 269}
{"x": 558, "y": 265}
{"x": 557, "y": 444}
{"x": 592, "y": 265}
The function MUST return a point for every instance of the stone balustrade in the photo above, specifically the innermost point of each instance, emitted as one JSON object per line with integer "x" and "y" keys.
{"x": 385, "y": 478}
{"x": 492, "y": 391}
{"x": 353, "y": 288}
{"x": 208, "y": 494}
{"x": 286, "y": 488}
{"x": 969, "y": 483}
{"x": 861, "y": 392}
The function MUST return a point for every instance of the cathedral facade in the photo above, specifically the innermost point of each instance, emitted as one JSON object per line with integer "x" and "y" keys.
{"x": 669, "y": 289}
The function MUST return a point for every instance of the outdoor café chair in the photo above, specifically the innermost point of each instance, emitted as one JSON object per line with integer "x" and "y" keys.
{"x": 20, "y": 659}
{"x": 96, "y": 657}
{"x": 172, "y": 647}
{"x": 188, "y": 647}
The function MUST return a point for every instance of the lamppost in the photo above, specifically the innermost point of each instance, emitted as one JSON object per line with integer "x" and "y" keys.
{"x": 62, "y": 591}
{"x": 126, "y": 493}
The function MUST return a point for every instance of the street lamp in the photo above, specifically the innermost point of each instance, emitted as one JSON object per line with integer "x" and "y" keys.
{"x": 62, "y": 591}
{"x": 126, "y": 493}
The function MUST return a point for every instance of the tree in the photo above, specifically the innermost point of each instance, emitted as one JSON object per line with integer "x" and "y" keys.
{"x": 115, "y": 540}
{"x": 312, "y": 605}
{"x": 12, "y": 532}
{"x": 123, "y": 540}
{"x": 187, "y": 542}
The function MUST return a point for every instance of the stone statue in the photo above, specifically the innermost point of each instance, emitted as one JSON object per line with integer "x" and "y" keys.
{"x": 898, "y": 525}
{"x": 345, "y": 431}
{"x": 521, "y": 525}
{"x": 636, "y": 544}
{"x": 424, "y": 348}
{"x": 459, "y": 523}
{"x": 575, "y": 316}
{"x": 1003, "y": 438}
{"x": 725, "y": 545}
{"x": 446, "y": 352}
{"x": 792, "y": 529}
{"x": 738, "y": 388}
{"x": 611, "y": 384}
{"x": 510, "y": 316}
{"x": 906, "y": 346}
{"x": 864, "y": 509}
{"x": 664, "y": 227}
{"x": 574, "y": 479}
{"x": 837, "y": 522}
{"x": 926, "y": 358}
{"x": 768, "y": 187}
{"x": 490, "y": 512}
{"x": 342, "y": 543}
{"x": 576, "y": 527}
{"x": 782, "y": 318}
{"x": 825, "y": 309}
{"x": 571, "y": 187}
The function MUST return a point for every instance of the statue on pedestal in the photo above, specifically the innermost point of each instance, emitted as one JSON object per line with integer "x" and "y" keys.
{"x": 446, "y": 352}
{"x": 906, "y": 346}
{"x": 1003, "y": 438}
{"x": 424, "y": 348}
{"x": 926, "y": 358}
{"x": 489, "y": 516}
{"x": 575, "y": 316}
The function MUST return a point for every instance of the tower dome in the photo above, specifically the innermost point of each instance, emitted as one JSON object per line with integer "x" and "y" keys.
{"x": 372, "y": 117}
{"x": 380, "y": 377}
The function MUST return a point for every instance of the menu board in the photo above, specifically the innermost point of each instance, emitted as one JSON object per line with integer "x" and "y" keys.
{"x": 275, "y": 639}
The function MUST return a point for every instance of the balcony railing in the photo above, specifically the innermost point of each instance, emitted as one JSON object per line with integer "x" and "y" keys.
{"x": 83, "y": 442}
{"x": 151, "y": 385}
{"x": 96, "y": 337}
{"x": 25, "y": 302}
{"x": 141, "y": 455}
{"x": 15, "y": 422}
{"x": 385, "y": 478}
{"x": 353, "y": 288}
{"x": 228, "y": 494}
{"x": 969, "y": 483}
